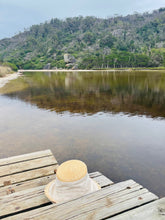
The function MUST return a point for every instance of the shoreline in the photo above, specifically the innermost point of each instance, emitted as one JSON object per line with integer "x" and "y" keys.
{"x": 8, "y": 77}
{"x": 91, "y": 70}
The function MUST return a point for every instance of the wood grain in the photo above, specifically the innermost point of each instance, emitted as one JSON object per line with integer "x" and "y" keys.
{"x": 105, "y": 202}
{"x": 25, "y": 157}
{"x": 28, "y": 175}
{"x": 27, "y": 165}
{"x": 29, "y": 198}
{"x": 152, "y": 211}
{"x": 97, "y": 176}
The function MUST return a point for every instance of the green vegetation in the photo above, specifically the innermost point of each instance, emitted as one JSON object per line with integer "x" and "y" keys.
{"x": 7, "y": 68}
{"x": 11, "y": 65}
{"x": 136, "y": 40}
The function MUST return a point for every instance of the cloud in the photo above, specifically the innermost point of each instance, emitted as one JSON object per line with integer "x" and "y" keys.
{"x": 149, "y": 5}
{"x": 14, "y": 18}
{"x": 15, "y": 15}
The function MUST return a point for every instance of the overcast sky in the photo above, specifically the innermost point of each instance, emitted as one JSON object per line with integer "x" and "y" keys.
{"x": 15, "y": 15}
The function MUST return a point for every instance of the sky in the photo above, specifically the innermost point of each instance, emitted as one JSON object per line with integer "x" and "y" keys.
{"x": 16, "y": 15}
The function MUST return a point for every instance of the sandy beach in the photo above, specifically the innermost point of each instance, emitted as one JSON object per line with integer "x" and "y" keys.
{"x": 7, "y": 78}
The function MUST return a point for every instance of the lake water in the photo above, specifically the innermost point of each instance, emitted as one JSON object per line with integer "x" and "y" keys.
{"x": 113, "y": 121}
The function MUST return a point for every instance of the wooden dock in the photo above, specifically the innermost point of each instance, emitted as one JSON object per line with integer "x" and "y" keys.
{"x": 22, "y": 182}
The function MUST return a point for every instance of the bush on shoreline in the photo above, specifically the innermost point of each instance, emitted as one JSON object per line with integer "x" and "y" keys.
{"x": 4, "y": 70}
{"x": 11, "y": 65}
{"x": 7, "y": 68}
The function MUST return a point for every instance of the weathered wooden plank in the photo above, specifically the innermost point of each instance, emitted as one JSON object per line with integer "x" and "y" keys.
{"x": 152, "y": 211}
{"x": 101, "y": 212}
{"x": 20, "y": 201}
{"x": 106, "y": 197}
{"x": 28, "y": 175}
{"x": 6, "y": 190}
{"x": 26, "y": 199}
{"x": 26, "y": 165}
{"x": 97, "y": 176}
{"x": 24, "y": 157}
{"x": 103, "y": 181}
{"x": 97, "y": 209}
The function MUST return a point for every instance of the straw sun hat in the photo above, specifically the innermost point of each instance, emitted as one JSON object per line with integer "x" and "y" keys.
{"x": 72, "y": 181}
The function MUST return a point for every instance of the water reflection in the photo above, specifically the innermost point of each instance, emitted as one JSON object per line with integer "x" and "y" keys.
{"x": 93, "y": 117}
{"x": 141, "y": 93}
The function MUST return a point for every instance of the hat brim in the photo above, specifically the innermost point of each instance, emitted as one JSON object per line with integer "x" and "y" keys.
{"x": 49, "y": 185}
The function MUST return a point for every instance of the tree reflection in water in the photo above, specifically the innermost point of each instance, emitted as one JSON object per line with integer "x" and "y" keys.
{"x": 135, "y": 93}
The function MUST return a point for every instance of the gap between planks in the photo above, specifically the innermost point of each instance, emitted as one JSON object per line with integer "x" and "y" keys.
{"x": 30, "y": 198}
{"x": 101, "y": 204}
{"x": 45, "y": 180}
{"x": 28, "y": 175}
{"x": 27, "y": 165}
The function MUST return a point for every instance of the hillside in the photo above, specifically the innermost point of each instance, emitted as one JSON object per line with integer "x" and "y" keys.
{"x": 136, "y": 40}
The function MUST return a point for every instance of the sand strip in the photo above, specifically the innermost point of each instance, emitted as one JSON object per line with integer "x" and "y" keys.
{"x": 7, "y": 78}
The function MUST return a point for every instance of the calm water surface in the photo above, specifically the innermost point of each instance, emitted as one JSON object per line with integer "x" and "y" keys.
{"x": 115, "y": 122}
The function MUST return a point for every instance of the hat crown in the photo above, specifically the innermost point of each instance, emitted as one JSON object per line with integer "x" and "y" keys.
{"x": 71, "y": 170}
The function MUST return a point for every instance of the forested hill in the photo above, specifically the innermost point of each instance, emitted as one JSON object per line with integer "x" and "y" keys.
{"x": 136, "y": 40}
